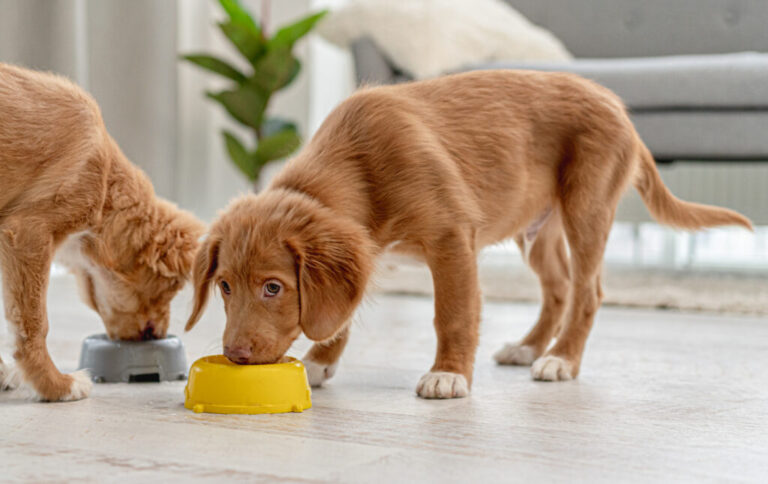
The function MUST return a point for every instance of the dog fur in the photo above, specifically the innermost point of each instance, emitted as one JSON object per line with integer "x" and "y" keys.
{"x": 65, "y": 184}
{"x": 439, "y": 169}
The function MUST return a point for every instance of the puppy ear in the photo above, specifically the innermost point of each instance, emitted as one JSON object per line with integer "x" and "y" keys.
{"x": 176, "y": 261}
{"x": 173, "y": 249}
{"x": 203, "y": 270}
{"x": 97, "y": 250}
{"x": 333, "y": 264}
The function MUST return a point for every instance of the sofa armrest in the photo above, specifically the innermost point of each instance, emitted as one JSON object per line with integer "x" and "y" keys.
{"x": 371, "y": 66}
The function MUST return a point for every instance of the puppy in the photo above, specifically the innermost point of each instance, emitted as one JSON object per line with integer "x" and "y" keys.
{"x": 438, "y": 169}
{"x": 65, "y": 184}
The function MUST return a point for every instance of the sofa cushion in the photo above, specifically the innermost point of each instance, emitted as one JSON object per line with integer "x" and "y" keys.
{"x": 704, "y": 135}
{"x": 645, "y": 28}
{"x": 722, "y": 81}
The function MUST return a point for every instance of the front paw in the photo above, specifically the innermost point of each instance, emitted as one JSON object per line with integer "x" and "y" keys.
{"x": 317, "y": 373}
{"x": 552, "y": 368}
{"x": 79, "y": 387}
{"x": 516, "y": 354}
{"x": 442, "y": 384}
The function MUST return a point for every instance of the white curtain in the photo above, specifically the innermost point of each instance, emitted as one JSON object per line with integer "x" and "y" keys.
{"x": 124, "y": 53}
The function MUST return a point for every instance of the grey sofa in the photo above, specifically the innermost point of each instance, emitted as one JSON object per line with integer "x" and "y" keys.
{"x": 694, "y": 73}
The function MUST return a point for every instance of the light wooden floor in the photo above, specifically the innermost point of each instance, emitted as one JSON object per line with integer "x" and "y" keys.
{"x": 664, "y": 397}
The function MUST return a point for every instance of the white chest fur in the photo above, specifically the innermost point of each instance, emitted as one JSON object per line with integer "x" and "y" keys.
{"x": 70, "y": 252}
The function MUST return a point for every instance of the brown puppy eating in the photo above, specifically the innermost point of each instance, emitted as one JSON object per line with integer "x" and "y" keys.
{"x": 438, "y": 169}
{"x": 66, "y": 188}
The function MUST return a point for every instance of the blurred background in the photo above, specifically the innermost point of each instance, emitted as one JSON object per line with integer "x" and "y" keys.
{"x": 694, "y": 74}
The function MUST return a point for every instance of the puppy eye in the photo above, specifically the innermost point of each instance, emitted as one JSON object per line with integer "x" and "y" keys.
{"x": 271, "y": 288}
{"x": 225, "y": 288}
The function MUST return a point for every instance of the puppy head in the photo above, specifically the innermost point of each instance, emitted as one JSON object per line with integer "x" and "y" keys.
{"x": 131, "y": 273}
{"x": 283, "y": 264}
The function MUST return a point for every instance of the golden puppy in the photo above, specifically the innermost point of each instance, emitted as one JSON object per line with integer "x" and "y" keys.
{"x": 438, "y": 169}
{"x": 64, "y": 184}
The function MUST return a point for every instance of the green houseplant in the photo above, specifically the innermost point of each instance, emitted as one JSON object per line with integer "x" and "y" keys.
{"x": 271, "y": 67}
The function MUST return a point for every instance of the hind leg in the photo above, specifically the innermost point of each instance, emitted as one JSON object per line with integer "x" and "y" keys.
{"x": 587, "y": 231}
{"x": 26, "y": 251}
{"x": 549, "y": 259}
{"x": 9, "y": 377}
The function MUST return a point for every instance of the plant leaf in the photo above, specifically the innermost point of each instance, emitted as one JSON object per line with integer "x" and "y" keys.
{"x": 239, "y": 15}
{"x": 295, "y": 69}
{"x": 275, "y": 70}
{"x": 273, "y": 125}
{"x": 277, "y": 146}
{"x": 249, "y": 43}
{"x": 288, "y": 35}
{"x": 246, "y": 104}
{"x": 240, "y": 156}
{"x": 216, "y": 65}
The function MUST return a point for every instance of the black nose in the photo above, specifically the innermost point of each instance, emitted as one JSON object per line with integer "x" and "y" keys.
{"x": 149, "y": 332}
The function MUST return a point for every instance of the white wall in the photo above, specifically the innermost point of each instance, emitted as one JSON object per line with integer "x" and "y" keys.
{"x": 122, "y": 52}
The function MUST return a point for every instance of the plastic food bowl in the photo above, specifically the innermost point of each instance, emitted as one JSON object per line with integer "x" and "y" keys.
{"x": 216, "y": 385}
{"x": 133, "y": 361}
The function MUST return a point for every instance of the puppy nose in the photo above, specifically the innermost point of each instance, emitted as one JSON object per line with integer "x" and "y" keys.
{"x": 238, "y": 354}
{"x": 149, "y": 331}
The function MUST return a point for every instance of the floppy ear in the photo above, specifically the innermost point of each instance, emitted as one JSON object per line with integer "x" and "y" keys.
{"x": 172, "y": 250}
{"x": 95, "y": 248}
{"x": 176, "y": 261}
{"x": 203, "y": 269}
{"x": 333, "y": 264}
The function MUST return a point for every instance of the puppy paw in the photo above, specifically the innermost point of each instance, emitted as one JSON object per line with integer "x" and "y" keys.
{"x": 442, "y": 384}
{"x": 10, "y": 377}
{"x": 317, "y": 373}
{"x": 79, "y": 388}
{"x": 552, "y": 368}
{"x": 515, "y": 354}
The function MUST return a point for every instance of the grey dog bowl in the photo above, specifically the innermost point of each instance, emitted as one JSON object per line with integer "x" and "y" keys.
{"x": 133, "y": 361}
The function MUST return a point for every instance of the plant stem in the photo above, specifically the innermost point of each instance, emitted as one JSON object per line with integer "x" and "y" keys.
{"x": 265, "y": 11}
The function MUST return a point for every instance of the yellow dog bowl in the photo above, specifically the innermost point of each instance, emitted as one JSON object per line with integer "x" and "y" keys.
{"x": 216, "y": 385}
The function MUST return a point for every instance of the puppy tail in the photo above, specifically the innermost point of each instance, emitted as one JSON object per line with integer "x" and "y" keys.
{"x": 670, "y": 210}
